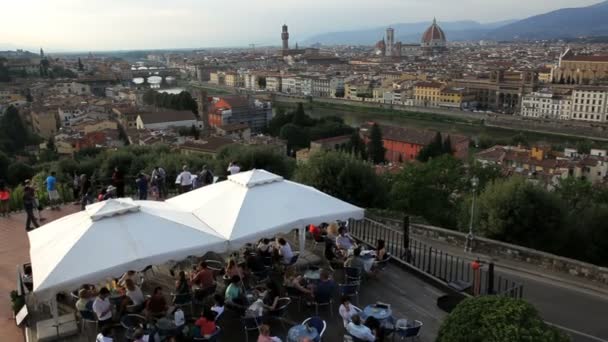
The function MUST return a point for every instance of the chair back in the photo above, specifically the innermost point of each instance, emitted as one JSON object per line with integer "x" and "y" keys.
{"x": 348, "y": 289}
{"x": 317, "y": 323}
{"x": 282, "y": 306}
{"x": 251, "y": 323}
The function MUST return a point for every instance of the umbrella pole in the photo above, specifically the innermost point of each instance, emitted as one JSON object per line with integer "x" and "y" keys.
{"x": 302, "y": 239}
{"x": 55, "y": 312}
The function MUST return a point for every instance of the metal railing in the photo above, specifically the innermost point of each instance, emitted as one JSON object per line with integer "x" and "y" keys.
{"x": 449, "y": 268}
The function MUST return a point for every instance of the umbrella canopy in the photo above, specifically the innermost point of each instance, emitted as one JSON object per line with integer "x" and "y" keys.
{"x": 112, "y": 237}
{"x": 255, "y": 204}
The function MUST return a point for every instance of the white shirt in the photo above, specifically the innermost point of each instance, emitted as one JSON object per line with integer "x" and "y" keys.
{"x": 286, "y": 253}
{"x": 101, "y": 338}
{"x": 233, "y": 169}
{"x": 179, "y": 318}
{"x": 136, "y": 296}
{"x": 347, "y": 314}
{"x": 184, "y": 178}
{"x": 100, "y": 306}
{"x": 360, "y": 331}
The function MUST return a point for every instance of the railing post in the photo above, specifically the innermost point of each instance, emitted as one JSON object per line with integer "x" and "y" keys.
{"x": 428, "y": 265}
{"x": 406, "y": 238}
{"x": 490, "y": 288}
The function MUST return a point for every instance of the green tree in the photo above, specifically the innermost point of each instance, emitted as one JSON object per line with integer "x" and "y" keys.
{"x": 80, "y": 65}
{"x": 4, "y": 74}
{"x": 430, "y": 190}
{"x": 356, "y": 145}
{"x": 277, "y": 122}
{"x": 576, "y": 192}
{"x": 375, "y": 147}
{"x": 15, "y": 135}
{"x": 256, "y": 157}
{"x": 296, "y": 137}
{"x": 299, "y": 116}
{"x": 194, "y": 132}
{"x": 496, "y": 319}
{"x": 517, "y": 211}
{"x": 345, "y": 177}
{"x": 5, "y": 161}
{"x": 447, "y": 146}
{"x": 434, "y": 149}
{"x": 18, "y": 172}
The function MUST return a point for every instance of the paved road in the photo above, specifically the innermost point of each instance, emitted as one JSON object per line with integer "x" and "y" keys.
{"x": 581, "y": 313}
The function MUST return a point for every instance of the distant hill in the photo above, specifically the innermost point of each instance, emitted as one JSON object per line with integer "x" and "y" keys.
{"x": 563, "y": 23}
{"x": 407, "y": 32}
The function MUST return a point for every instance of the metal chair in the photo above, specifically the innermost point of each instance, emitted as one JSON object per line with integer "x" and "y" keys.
{"x": 349, "y": 290}
{"x": 87, "y": 317}
{"x": 318, "y": 324}
{"x": 250, "y": 324}
{"x": 329, "y": 304}
{"x": 281, "y": 311}
{"x": 131, "y": 323}
{"x": 352, "y": 275}
{"x": 295, "y": 294}
{"x": 381, "y": 265}
{"x": 212, "y": 338}
{"x": 408, "y": 331}
{"x": 182, "y": 300}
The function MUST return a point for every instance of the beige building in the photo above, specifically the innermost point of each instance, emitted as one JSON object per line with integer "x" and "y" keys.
{"x": 44, "y": 122}
{"x": 233, "y": 79}
{"x": 590, "y": 104}
{"x": 580, "y": 69}
{"x": 99, "y": 126}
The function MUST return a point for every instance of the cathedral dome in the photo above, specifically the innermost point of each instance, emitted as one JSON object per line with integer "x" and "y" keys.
{"x": 433, "y": 36}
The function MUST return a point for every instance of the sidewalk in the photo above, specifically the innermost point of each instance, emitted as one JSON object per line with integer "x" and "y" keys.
{"x": 14, "y": 250}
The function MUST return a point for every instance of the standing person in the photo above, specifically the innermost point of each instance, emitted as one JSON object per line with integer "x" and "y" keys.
{"x": 5, "y": 197}
{"x": 118, "y": 180}
{"x": 76, "y": 188}
{"x": 159, "y": 177}
{"x": 233, "y": 168}
{"x": 29, "y": 202}
{"x": 103, "y": 308}
{"x": 206, "y": 177}
{"x": 85, "y": 191}
{"x": 51, "y": 189}
{"x": 184, "y": 179}
{"x": 142, "y": 186}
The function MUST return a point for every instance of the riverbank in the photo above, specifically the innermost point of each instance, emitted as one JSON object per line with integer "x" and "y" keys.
{"x": 475, "y": 128}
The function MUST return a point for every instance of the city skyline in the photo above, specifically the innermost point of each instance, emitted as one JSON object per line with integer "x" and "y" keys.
{"x": 70, "y": 25}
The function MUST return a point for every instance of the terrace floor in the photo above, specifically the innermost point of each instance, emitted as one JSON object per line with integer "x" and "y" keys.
{"x": 409, "y": 296}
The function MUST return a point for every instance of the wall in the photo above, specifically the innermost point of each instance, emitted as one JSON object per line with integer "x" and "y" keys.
{"x": 503, "y": 250}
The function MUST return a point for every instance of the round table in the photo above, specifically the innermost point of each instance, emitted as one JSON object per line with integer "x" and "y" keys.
{"x": 312, "y": 275}
{"x": 380, "y": 314}
{"x": 297, "y": 332}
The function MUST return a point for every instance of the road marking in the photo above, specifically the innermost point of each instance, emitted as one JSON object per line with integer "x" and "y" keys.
{"x": 576, "y": 332}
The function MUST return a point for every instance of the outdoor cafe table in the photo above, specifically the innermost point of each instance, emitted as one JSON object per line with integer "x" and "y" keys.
{"x": 297, "y": 332}
{"x": 312, "y": 275}
{"x": 378, "y": 313}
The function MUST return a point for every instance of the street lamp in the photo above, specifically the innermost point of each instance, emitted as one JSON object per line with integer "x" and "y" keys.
{"x": 468, "y": 247}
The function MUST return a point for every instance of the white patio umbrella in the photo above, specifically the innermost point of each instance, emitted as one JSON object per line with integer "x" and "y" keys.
{"x": 112, "y": 237}
{"x": 255, "y": 204}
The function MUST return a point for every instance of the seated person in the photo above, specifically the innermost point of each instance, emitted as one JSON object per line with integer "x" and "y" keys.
{"x": 203, "y": 277}
{"x": 156, "y": 306}
{"x": 285, "y": 252}
{"x": 182, "y": 289}
{"x": 255, "y": 263}
{"x": 381, "y": 254}
{"x": 85, "y": 301}
{"x": 347, "y": 310}
{"x": 128, "y": 275}
{"x": 296, "y": 281}
{"x": 265, "y": 335}
{"x": 206, "y": 323}
{"x": 271, "y": 298}
{"x": 325, "y": 289}
{"x": 234, "y": 293}
{"x": 344, "y": 241}
{"x": 374, "y": 325}
{"x": 232, "y": 269}
{"x": 332, "y": 232}
{"x": 355, "y": 260}
{"x": 358, "y": 330}
{"x": 264, "y": 248}
{"x": 218, "y": 306}
{"x": 134, "y": 296}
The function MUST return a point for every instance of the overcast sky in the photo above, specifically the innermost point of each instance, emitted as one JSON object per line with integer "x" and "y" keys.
{"x": 145, "y": 24}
